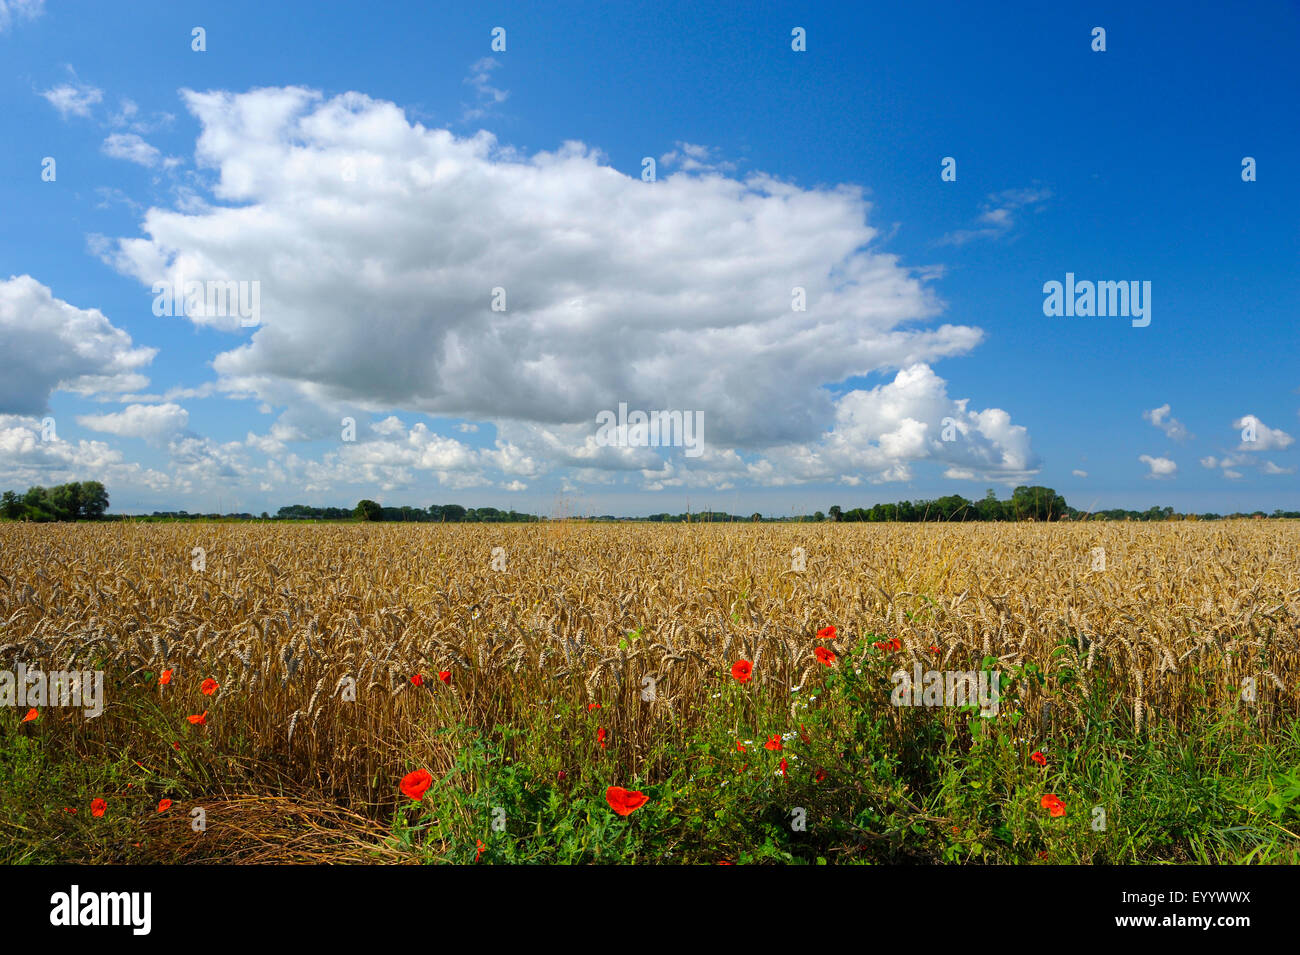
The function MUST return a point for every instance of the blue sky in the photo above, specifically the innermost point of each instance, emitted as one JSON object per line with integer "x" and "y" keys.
{"x": 378, "y": 172}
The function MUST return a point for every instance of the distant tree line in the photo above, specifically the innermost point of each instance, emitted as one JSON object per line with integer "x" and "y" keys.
{"x": 437, "y": 513}
{"x": 83, "y": 500}
{"x": 1025, "y": 503}
{"x": 366, "y": 510}
{"x": 88, "y": 500}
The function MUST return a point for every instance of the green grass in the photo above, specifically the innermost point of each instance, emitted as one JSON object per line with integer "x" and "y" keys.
{"x": 870, "y": 785}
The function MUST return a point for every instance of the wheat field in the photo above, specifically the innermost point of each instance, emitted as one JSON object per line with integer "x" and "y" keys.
{"x": 314, "y": 633}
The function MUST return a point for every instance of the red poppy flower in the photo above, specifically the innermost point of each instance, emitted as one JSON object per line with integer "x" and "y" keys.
{"x": 176, "y": 745}
{"x": 896, "y": 644}
{"x": 934, "y": 650}
{"x": 592, "y": 706}
{"x": 481, "y": 849}
{"x": 31, "y": 715}
{"x": 826, "y": 633}
{"x": 600, "y": 736}
{"x": 209, "y": 686}
{"x": 165, "y": 678}
{"x": 783, "y": 765}
{"x": 97, "y": 807}
{"x": 725, "y": 862}
{"x": 1053, "y": 805}
{"x": 740, "y": 747}
{"x": 164, "y": 805}
{"x": 200, "y": 720}
{"x": 418, "y": 680}
{"x": 445, "y": 676}
{"x": 803, "y": 736}
{"x": 560, "y": 775}
{"x": 824, "y": 656}
{"x": 820, "y": 775}
{"x": 416, "y": 784}
{"x": 1039, "y": 758}
{"x": 742, "y": 670}
{"x": 1043, "y": 855}
{"x": 624, "y": 801}
{"x": 71, "y": 809}
{"x": 774, "y": 743}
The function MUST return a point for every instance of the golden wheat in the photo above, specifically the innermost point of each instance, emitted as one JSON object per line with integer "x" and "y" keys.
{"x": 287, "y": 617}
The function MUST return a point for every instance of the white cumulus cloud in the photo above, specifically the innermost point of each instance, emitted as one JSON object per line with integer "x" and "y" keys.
{"x": 154, "y": 423}
{"x": 48, "y": 344}
{"x": 378, "y": 245}
{"x": 1160, "y": 467}
{"x": 1266, "y": 438}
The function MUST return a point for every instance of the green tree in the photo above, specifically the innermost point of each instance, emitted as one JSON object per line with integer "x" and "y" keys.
{"x": 67, "y": 501}
{"x": 37, "y": 504}
{"x": 94, "y": 499}
{"x": 990, "y": 509}
{"x": 368, "y": 510}
{"x": 953, "y": 507}
{"x": 11, "y": 506}
{"x": 1038, "y": 503}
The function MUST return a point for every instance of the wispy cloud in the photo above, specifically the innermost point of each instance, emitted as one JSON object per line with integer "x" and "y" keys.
{"x": 132, "y": 148}
{"x": 1172, "y": 427}
{"x": 997, "y": 215}
{"x": 73, "y": 99}
{"x": 480, "y": 80}
{"x": 128, "y": 116}
{"x": 1229, "y": 463}
{"x": 12, "y": 10}
{"x": 691, "y": 157}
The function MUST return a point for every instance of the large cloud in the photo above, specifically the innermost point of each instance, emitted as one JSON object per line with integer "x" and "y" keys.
{"x": 153, "y": 423}
{"x": 49, "y": 345}
{"x": 31, "y": 454}
{"x": 378, "y": 243}
{"x": 879, "y": 433}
